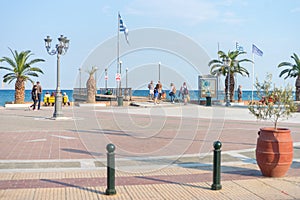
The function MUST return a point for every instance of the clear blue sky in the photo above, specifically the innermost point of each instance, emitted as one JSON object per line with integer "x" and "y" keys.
{"x": 272, "y": 25}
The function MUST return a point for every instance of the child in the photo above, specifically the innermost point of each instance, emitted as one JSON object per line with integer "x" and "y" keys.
{"x": 156, "y": 93}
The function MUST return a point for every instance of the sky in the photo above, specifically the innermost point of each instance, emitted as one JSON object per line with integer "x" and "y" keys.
{"x": 272, "y": 25}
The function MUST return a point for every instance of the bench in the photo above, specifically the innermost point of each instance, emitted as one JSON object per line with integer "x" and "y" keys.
{"x": 51, "y": 101}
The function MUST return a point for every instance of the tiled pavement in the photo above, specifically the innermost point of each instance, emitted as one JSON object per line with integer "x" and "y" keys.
{"x": 65, "y": 159}
{"x": 169, "y": 183}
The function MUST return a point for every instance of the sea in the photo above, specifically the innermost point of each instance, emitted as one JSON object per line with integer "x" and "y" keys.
{"x": 7, "y": 95}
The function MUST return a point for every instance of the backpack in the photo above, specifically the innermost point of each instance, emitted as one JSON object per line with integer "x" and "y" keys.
{"x": 174, "y": 90}
{"x": 185, "y": 91}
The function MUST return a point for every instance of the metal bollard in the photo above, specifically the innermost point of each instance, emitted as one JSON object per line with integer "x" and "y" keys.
{"x": 110, "y": 190}
{"x": 217, "y": 166}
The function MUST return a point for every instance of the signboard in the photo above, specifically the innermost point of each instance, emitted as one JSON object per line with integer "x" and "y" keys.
{"x": 118, "y": 77}
{"x": 207, "y": 86}
{"x": 106, "y": 77}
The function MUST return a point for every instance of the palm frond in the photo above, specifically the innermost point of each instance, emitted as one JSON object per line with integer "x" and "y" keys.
{"x": 246, "y": 60}
{"x": 35, "y": 61}
{"x": 9, "y": 75}
{"x": 6, "y": 68}
{"x": 291, "y": 70}
{"x": 32, "y": 74}
{"x": 36, "y": 69}
{"x": 284, "y": 72}
{"x": 215, "y": 61}
{"x": 285, "y": 64}
{"x": 9, "y": 61}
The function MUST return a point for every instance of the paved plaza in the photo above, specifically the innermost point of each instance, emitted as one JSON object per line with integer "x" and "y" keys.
{"x": 162, "y": 152}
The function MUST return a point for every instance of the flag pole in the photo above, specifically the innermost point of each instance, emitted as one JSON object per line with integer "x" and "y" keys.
{"x": 252, "y": 74}
{"x": 218, "y": 75}
{"x": 118, "y": 52}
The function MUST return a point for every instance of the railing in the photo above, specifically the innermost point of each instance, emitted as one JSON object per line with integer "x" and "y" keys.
{"x": 125, "y": 92}
{"x": 81, "y": 93}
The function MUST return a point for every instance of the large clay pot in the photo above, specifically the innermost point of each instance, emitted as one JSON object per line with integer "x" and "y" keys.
{"x": 274, "y": 151}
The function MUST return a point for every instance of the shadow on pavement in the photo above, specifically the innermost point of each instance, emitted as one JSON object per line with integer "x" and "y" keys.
{"x": 171, "y": 182}
{"x": 82, "y": 152}
{"x": 73, "y": 186}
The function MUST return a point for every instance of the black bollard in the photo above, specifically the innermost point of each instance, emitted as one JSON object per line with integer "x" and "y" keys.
{"x": 110, "y": 190}
{"x": 217, "y": 167}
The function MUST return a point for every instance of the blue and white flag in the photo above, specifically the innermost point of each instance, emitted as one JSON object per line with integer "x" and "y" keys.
{"x": 123, "y": 28}
{"x": 238, "y": 47}
{"x": 256, "y": 50}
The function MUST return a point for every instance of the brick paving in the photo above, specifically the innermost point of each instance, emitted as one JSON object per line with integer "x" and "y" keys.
{"x": 161, "y": 153}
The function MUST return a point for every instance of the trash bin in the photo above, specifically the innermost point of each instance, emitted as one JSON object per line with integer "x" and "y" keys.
{"x": 208, "y": 101}
{"x": 120, "y": 101}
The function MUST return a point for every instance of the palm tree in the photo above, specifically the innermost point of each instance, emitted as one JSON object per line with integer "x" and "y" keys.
{"x": 91, "y": 86}
{"x": 293, "y": 71}
{"x": 21, "y": 70}
{"x": 219, "y": 67}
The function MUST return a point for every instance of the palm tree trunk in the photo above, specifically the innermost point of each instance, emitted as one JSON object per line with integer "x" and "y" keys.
{"x": 298, "y": 88}
{"x": 231, "y": 87}
{"x": 226, "y": 87}
{"x": 19, "y": 91}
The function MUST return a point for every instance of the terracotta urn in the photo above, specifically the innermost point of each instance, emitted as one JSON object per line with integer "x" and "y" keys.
{"x": 274, "y": 151}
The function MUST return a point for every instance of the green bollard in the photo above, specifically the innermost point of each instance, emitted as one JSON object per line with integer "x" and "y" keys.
{"x": 120, "y": 101}
{"x": 110, "y": 170}
{"x": 217, "y": 166}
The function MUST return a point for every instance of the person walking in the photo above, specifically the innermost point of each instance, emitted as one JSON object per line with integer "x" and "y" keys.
{"x": 39, "y": 94}
{"x": 159, "y": 89}
{"x": 34, "y": 96}
{"x": 151, "y": 90}
{"x": 185, "y": 93}
{"x": 240, "y": 93}
{"x": 156, "y": 94}
{"x": 172, "y": 92}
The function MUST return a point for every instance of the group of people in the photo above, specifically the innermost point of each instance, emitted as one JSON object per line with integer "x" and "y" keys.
{"x": 50, "y": 99}
{"x": 36, "y": 96}
{"x": 156, "y": 92}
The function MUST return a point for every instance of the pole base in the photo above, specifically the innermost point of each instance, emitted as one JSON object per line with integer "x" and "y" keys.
{"x": 216, "y": 186}
{"x": 58, "y": 105}
{"x": 58, "y": 115}
{"x": 110, "y": 191}
{"x": 120, "y": 100}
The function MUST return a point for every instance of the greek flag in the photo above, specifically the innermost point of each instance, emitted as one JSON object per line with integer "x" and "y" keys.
{"x": 123, "y": 28}
{"x": 256, "y": 50}
{"x": 238, "y": 47}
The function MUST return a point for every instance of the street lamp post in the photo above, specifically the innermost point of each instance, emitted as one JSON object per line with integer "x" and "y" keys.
{"x": 96, "y": 68}
{"x": 60, "y": 49}
{"x": 106, "y": 77}
{"x": 79, "y": 78}
{"x": 126, "y": 89}
{"x": 126, "y": 77}
{"x": 120, "y": 95}
{"x": 159, "y": 63}
{"x": 120, "y": 85}
{"x": 226, "y": 62}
